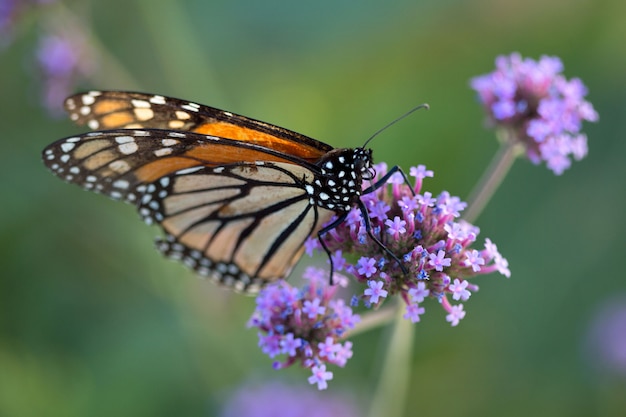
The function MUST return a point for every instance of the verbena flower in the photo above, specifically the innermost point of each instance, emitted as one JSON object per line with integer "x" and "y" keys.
{"x": 538, "y": 107}
{"x": 426, "y": 235}
{"x": 65, "y": 60}
{"x": 305, "y": 325}
{"x": 281, "y": 399}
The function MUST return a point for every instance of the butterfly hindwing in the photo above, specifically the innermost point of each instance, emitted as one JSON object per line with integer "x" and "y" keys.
{"x": 242, "y": 225}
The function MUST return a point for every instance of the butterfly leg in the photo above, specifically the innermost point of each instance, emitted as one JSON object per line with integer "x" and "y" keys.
{"x": 321, "y": 233}
{"x": 370, "y": 233}
{"x": 368, "y": 226}
{"x": 383, "y": 180}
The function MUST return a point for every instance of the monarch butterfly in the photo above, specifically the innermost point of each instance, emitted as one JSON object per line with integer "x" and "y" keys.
{"x": 236, "y": 197}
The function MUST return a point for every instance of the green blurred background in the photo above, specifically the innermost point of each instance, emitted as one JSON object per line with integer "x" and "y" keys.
{"x": 94, "y": 322}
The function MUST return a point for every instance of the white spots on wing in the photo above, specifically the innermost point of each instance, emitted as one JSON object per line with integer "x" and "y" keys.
{"x": 123, "y": 184}
{"x": 143, "y": 114}
{"x": 175, "y": 124}
{"x": 74, "y": 170}
{"x": 191, "y": 107}
{"x": 73, "y": 140}
{"x": 65, "y": 158}
{"x": 157, "y": 100}
{"x": 85, "y": 110}
{"x": 163, "y": 152}
{"x": 324, "y": 196}
{"x": 176, "y": 135}
{"x": 73, "y": 117}
{"x": 124, "y": 139}
{"x": 88, "y": 100}
{"x": 91, "y": 178}
{"x": 165, "y": 181}
{"x": 127, "y": 144}
{"x": 182, "y": 115}
{"x": 115, "y": 195}
{"x": 142, "y": 104}
{"x": 309, "y": 189}
{"x": 67, "y": 146}
{"x": 169, "y": 142}
{"x": 188, "y": 170}
{"x": 120, "y": 166}
{"x": 329, "y": 165}
{"x": 218, "y": 170}
{"x": 141, "y": 133}
{"x": 93, "y": 124}
{"x": 128, "y": 148}
{"x": 70, "y": 104}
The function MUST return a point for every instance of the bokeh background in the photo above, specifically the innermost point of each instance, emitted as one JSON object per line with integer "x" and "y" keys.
{"x": 94, "y": 322}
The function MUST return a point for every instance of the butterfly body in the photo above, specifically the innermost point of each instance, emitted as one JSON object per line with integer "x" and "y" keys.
{"x": 236, "y": 197}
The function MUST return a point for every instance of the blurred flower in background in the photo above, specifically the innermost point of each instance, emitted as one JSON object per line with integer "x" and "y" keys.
{"x": 537, "y": 106}
{"x": 63, "y": 56}
{"x": 606, "y": 337}
{"x": 282, "y": 400}
{"x": 65, "y": 60}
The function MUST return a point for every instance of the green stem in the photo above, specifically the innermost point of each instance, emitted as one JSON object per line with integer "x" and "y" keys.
{"x": 492, "y": 178}
{"x": 390, "y": 396}
{"x": 373, "y": 319}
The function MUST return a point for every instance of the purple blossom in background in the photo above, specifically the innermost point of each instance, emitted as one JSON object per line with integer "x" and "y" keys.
{"x": 538, "y": 107}
{"x": 424, "y": 232}
{"x": 65, "y": 60}
{"x": 306, "y": 325}
{"x": 606, "y": 338}
{"x": 286, "y": 400}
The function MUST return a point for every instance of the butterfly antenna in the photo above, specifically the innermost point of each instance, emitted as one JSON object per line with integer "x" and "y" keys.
{"x": 421, "y": 106}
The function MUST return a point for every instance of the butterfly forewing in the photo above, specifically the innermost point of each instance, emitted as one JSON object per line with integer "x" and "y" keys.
{"x": 117, "y": 109}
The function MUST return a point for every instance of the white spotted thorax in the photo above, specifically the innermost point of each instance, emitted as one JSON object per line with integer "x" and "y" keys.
{"x": 342, "y": 173}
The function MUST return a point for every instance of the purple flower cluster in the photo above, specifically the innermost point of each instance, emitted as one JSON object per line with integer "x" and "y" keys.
{"x": 281, "y": 399}
{"x": 424, "y": 232}
{"x": 539, "y": 107}
{"x": 64, "y": 59}
{"x": 306, "y": 325}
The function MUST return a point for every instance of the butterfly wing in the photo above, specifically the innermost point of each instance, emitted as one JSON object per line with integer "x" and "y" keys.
{"x": 242, "y": 225}
{"x": 235, "y": 211}
{"x": 130, "y": 110}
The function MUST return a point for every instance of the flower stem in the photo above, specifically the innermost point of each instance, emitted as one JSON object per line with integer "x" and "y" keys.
{"x": 373, "y": 319}
{"x": 390, "y": 396}
{"x": 492, "y": 178}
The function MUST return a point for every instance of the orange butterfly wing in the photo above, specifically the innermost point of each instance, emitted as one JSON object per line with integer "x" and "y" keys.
{"x": 129, "y": 110}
